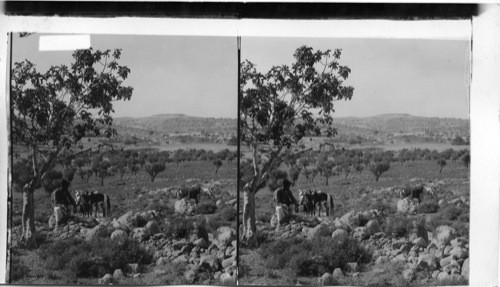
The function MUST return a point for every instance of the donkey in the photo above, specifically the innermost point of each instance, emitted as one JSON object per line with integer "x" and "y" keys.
{"x": 306, "y": 199}
{"x": 101, "y": 200}
{"x": 323, "y": 200}
{"x": 191, "y": 193}
{"x": 83, "y": 201}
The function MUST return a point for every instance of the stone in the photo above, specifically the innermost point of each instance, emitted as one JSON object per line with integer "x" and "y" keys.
{"x": 352, "y": 266}
{"x": 227, "y": 262}
{"x": 445, "y": 261}
{"x": 459, "y": 253}
{"x": 373, "y": 226}
{"x": 227, "y": 279}
{"x": 225, "y": 235}
{"x": 183, "y": 206}
{"x": 326, "y": 280}
{"x": 337, "y": 273}
{"x": 152, "y": 228}
{"x": 420, "y": 242}
{"x": 126, "y": 221}
{"x": 444, "y": 234}
{"x": 119, "y": 236}
{"x": 381, "y": 260}
{"x": 219, "y": 203}
{"x": 340, "y": 236}
{"x": 106, "y": 279}
{"x": 180, "y": 260}
{"x": 406, "y": 206}
{"x": 361, "y": 233}
{"x": 190, "y": 276}
{"x": 409, "y": 274}
{"x": 210, "y": 262}
{"x": 465, "y": 269}
{"x": 100, "y": 231}
{"x": 201, "y": 243}
{"x": 118, "y": 274}
{"x": 427, "y": 262}
{"x": 321, "y": 230}
{"x": 459, "y": 242}
{"x": 449, "y": 279}
{"x": 399, "y": 258}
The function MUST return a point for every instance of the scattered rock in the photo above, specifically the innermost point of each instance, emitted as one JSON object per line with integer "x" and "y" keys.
{"x": 119, "y": 235}
{"x": 202, "y": 243}
{"x": 118, "y": 274}
{"x": 326, "y": 280}
{"x": 444, "y": 234}
{"x": 100, "y": 231}
{"x": 106, "y": 279}
{"x": 227, "y": 279}
{"x": 322, "y": 230}
{"x": 225, "y": 235}
{"x": 152, "y": 228}
{"x": 406, "y": 206}
{"x": 420, "y": 242}
{"x": 427, "y": 262}
{"x": 465, "y": 269}
{"x": 183, "y": 206}
{"x": 373, "y": 226}
{"x": 337, "y": 273}
{"x": 340, "y": 236}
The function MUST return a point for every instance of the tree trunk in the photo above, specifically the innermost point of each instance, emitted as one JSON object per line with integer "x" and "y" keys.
{"x": 28, "y": 219}
{"x": 249, "y": 227}
{"x": 102, "y": 181}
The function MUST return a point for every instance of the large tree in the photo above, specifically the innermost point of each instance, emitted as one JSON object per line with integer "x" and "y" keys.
{"x": 280, "y": 107}
{"x": 53, "y": 110}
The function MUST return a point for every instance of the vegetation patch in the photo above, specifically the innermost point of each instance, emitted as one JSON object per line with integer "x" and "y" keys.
{"x": 312, "y": 257}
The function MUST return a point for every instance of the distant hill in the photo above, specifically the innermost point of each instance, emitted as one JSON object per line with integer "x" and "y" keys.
{"x": 401, "y": 127}
{"x": 167, "y": 126}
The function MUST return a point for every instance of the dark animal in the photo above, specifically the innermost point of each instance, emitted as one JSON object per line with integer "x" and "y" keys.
{"x": 323, "y": 200}
{"x": 413, "y": 192}
{"x": 306, "y": 199}
{"x": 99, "y": 200}
{"x": 83, "y": 202}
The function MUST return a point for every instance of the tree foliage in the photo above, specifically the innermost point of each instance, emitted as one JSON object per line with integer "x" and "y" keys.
{"x": 378, "y": 168}
{"x": 153, "y": 169}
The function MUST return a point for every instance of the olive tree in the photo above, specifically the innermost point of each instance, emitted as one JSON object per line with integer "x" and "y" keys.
{"x": 278, "y": 108}
{"x": 55, "y": 109}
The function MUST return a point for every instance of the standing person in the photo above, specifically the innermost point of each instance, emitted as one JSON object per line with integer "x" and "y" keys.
{"x": 283, "y": 199}
{"x": 61, "y": 201}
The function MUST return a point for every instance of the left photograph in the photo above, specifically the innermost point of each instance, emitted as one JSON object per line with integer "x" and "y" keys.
{"x": 123, "y": 160}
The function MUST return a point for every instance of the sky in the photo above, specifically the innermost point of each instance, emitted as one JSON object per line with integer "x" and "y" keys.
{"x": 193, "y": 75}
{"x": 414, "y": 76}
{"x": 197, "y": 75}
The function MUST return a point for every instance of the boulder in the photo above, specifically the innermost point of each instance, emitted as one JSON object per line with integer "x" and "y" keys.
{"x": 326, "y": 280}
{"x": 459, "y": 253}
{"x": 152, "y": 228}
{"x": 373, "y": 226}
{"x": 225, "y": 235}
{"x": 361, "y": 233}
{"x": 190, "y": 276}
{"x": 183, "y": 206}
{"x": 100, "y": 231}
{"x": 406, "y": 206}
{"x": 321, "y": 230}
{"x": 444, "y": 234}
{"x": 420, "y": 242}
{"x": 106, "y": 279}
{"x": 445, "y": 261}
{"x": 337, "y": 273}
{"x": 465, "y": 269}
{"x": 340, "y": 236}
{"x": 227, "y": 262}
{"x": 227, "y": 279}
{"x": 181, "y": 259}
{"x": 125, "y": 221}
{"x": 210, "y": 262}
{"x": 427, "y": 262}
{"x": 118, "y": 274}
{"x": 119, "y": 235}
{"x": 201, "y": 243}
{"x": 219, "y": 203}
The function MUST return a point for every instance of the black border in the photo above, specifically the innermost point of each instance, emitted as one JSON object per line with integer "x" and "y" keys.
{"x": 240, "y": 10}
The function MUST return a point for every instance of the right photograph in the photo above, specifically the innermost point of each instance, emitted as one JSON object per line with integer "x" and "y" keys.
{"x": 354, "y": 161}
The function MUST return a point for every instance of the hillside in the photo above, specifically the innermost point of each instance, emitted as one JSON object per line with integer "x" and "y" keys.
{"x": 176, "y": 127}
{"x": 401, "y": 127}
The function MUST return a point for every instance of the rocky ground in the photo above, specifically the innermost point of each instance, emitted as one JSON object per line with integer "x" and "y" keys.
{"x": 430, "y": 257}
{"x": 207, "y": 258}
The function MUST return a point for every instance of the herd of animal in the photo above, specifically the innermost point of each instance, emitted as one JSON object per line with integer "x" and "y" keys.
{"x": 313, "y": 201}
{"x": 87, "y": 202}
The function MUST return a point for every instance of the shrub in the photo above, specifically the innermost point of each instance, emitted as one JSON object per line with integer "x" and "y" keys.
{"x": 225, "y": 217}
{"x": 399, "y": 226}
{"x": 179, "y": 227}
{"x": 92, "y": 258}
{"x": 428, "y": 207}
{"x": 312, "y": 257}
{"x": 205, "y": 208}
